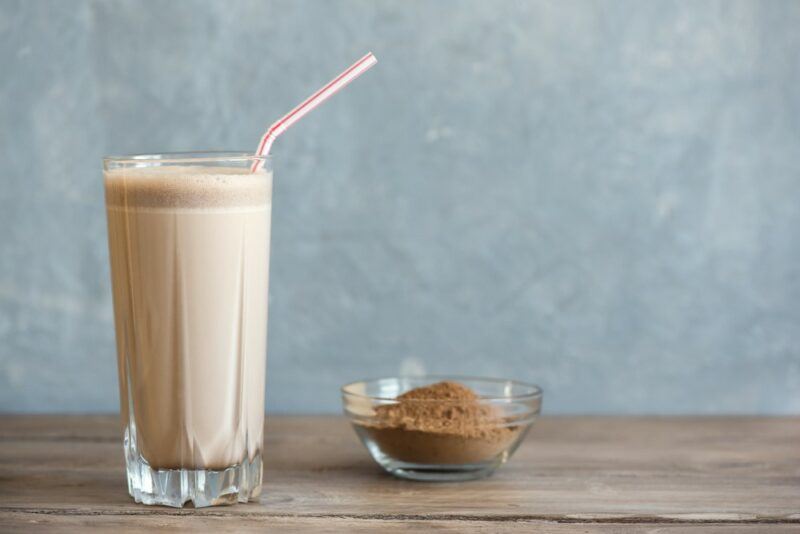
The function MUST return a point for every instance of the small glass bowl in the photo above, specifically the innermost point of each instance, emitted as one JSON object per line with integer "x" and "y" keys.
{"x": 503, "y": 414}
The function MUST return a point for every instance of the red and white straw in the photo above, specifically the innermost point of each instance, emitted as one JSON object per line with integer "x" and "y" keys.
{"x": 281, "y": 125}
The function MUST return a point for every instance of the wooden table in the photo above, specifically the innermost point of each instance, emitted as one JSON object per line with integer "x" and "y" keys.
{"x": 573, "y": 474}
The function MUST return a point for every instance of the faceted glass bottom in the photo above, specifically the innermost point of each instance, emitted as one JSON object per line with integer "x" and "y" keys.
{"x": 176, "y": 487}
{"x": 201, "y": 487}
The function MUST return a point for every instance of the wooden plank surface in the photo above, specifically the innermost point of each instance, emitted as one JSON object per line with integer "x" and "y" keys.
{"x": 32, "y": 523}
{"x": 587, "y": 474}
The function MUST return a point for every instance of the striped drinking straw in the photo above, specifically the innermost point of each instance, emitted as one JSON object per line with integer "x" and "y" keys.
{"x": 281, "y": 125}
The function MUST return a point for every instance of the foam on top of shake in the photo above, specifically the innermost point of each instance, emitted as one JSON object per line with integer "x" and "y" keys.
{"x": 187, "y": 186}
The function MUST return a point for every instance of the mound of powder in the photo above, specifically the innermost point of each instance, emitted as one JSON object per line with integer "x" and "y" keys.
{"x": 443, "y": 423}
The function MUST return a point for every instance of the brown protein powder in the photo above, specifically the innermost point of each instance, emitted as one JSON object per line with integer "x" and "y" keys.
{"x": 443, "y": 423}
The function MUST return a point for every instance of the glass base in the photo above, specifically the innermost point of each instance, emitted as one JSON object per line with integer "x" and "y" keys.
{"x": 435, "y": 472}
{"x": 176, "y": 487}
{"x": 440, "y": 473}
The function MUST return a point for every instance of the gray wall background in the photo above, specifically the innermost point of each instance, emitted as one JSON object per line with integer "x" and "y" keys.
{"x": 601, "y": 197}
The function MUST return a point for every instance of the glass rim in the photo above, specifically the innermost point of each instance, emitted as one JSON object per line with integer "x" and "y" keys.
{"x": 194, "y": 156}
{"x": 534, "y": 391}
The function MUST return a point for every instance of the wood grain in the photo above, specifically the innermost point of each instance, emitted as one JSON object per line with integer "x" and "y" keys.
{"x": 32, "y": 523}
{"x": 592, "y": 474}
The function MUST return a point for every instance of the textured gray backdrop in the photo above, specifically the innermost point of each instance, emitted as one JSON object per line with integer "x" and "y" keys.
{"x": 601, "y": 197}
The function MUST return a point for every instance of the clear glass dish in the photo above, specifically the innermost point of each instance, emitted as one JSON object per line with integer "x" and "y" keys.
{"x": 441, "y": 440}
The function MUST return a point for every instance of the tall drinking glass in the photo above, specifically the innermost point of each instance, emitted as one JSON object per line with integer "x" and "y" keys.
{"x": 189, "y": 238}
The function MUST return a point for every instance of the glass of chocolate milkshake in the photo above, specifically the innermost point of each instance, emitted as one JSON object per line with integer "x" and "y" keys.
{"x": 189, "y": 237}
